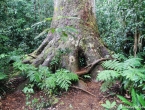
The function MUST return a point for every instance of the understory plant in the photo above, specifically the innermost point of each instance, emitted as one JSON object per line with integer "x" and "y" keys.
{"x": 130, "y": 73}
{"x": 50, "y": 83}
{"x": 137, "y": 102}
{"x": 45, "y": 79}
{"x": 40, "y": 102}
{"x": 108, "y": 105}
{"x": 6, "y": 70}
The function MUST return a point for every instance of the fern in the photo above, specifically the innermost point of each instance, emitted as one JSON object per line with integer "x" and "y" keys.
{"x": 107, "y": 75}
{"x": 115, "y": 65}
{"x": 126, "y": 84}
{"x": 132, "y": 63}
{"x": 134, "y": 74}
{"x": 72, "y": 76}
{"x": 119, "y": 57}
{"x": 64, "y": 78}
{"x": 43, "y": 77}
{"x": 2, "y": 76}
{"x": 130, "y": 72}
{"x": 23, "y": 67}
{"x": 106, "y": 85}
{"x": 50, "y": 82}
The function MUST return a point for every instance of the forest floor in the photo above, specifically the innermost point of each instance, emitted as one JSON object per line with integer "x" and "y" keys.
{"x": 73, "y": 99}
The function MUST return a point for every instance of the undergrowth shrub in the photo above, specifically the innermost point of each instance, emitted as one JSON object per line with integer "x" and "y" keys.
{"x": 137, "y": 102}
{"x": 6, "y": 70}
{"x": 50, "y": 83}
{"x": 45, "y": 79}
{"x": 130, "y": 73}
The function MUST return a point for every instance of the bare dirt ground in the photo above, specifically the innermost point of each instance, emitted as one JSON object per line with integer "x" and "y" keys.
{"x": 74, "y": 99}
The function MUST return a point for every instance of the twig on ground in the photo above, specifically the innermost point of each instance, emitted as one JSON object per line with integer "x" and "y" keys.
{"x": 83, "y": 90}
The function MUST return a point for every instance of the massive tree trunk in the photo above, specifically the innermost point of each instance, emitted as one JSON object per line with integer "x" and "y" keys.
{"x": 85, "y": 43}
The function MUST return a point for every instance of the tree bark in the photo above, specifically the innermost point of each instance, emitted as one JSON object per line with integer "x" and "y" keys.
{"x": 84, "y": 43}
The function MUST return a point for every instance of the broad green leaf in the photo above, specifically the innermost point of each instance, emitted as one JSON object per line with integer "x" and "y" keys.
{"x": 124, "y": 100}
{"x": 134, "y": 98}
{"x": 141, "y": 100}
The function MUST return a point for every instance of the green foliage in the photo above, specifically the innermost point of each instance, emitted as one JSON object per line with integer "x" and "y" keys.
{"x": 6, "y": 70}
{"x": 6, "y": 62}
{"x": 119, "y": 57}
{"x": 38, "y": 103}
{"x": 43, "y": 77}
{"x": 138, "y": 101}
{"x": 28, "y": 89}
{"x": 108, "y": 75}
{"x": 87, "y": 76}
{"x": 64, "y": 78}
{"x": 2, "y": 76}
{"x": 108, "y": 105}
{"x": 61, "y": 79}
{"x": 130, "y": 72}
{"x": 106, "y": 85}
{"x": 115, "y": 18}
{"x": 15, "y": 30}
{"x": 56, "y": 61}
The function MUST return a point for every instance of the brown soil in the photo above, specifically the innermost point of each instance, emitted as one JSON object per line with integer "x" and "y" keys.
{"x": 74, "y": 99}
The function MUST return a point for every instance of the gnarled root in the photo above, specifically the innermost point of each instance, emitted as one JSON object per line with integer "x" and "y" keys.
{"x": 88, "y": 68}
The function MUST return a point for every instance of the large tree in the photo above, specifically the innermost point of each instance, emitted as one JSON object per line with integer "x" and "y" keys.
{"x": 85, "y": 45}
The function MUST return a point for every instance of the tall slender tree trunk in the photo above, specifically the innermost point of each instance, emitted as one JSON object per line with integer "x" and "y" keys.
{"x": 85, "y": 43}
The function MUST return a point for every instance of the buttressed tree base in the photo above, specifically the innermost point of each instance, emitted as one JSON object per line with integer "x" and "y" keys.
{"x": 83, "y": 43}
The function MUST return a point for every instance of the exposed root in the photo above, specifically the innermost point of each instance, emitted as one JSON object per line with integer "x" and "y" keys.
{"x": 83, "y": 90}
{"x": 88, "y": 68}
{"x": 32, "y": 56}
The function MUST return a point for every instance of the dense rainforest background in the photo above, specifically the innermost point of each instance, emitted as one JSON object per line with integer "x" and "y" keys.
{"x": 25, "y": 23}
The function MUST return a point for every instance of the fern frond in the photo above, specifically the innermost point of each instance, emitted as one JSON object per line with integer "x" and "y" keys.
{"x": 50, "y": 82}
{"x": 106, "y": 85}
{"x": 67, "y": 73}
{"x": 63, "y": 81}
{"x": 2, "y": 76}
{"x": 73, "y": 76}
{"x": 119, "y": 57}
{"x": 134, "y": 74}
{"x": 126, "y": 84}
{"x": 107, "y": 75}
{"x": 113, "y": 64}
{"x": 64, "y": 78}
{"x": 132, "y": 62}
{"x": 130, "y": 71}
